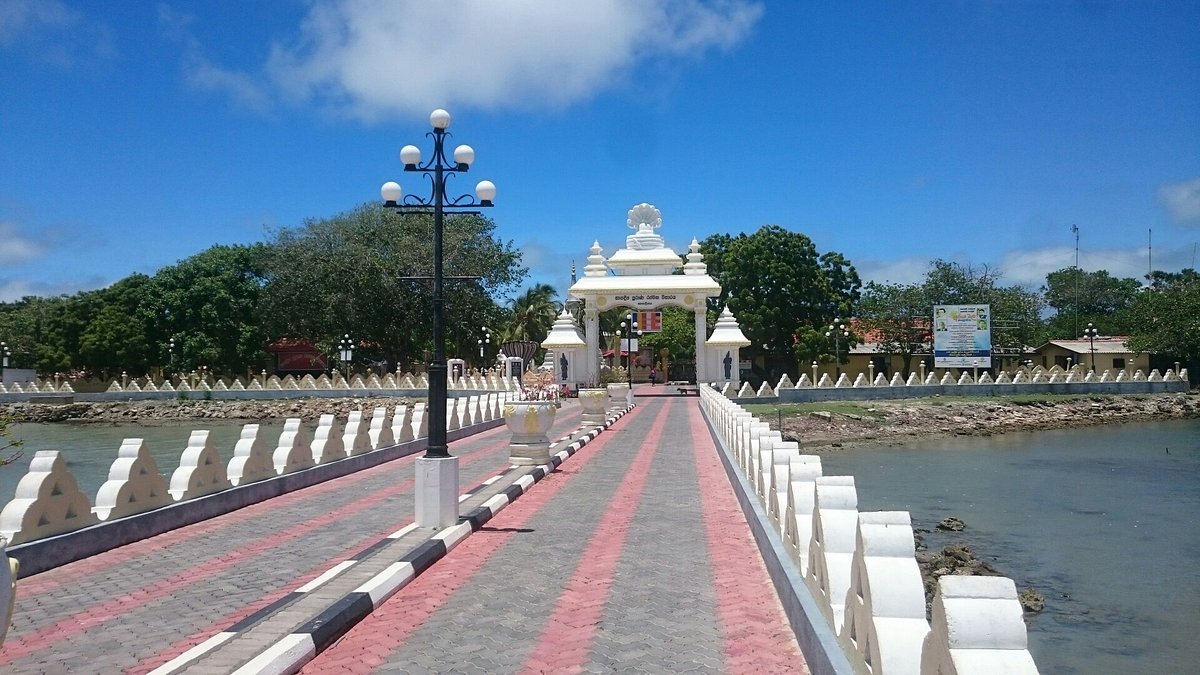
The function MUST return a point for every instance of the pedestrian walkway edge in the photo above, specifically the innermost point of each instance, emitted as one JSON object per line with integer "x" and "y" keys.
{"x": 818, "y": 642}
{"x": 289, "y": 654}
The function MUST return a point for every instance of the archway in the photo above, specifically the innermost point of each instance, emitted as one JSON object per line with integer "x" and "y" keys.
{"x": 642, "y": 276}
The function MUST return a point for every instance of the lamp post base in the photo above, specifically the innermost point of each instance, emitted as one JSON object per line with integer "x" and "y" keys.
{"x": 437, "y": 492}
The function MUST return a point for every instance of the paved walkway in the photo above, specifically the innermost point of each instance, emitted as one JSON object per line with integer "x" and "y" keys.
{"x": 633, "y": 556}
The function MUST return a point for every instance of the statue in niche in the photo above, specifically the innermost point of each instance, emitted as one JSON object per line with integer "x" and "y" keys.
{"x": 644, "y": 218}
{"x": 562, "y": 366}
{"x": 728, "y": 361}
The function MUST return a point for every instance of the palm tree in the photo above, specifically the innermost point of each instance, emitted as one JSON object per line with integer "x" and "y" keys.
{"x": 533, "y": 313}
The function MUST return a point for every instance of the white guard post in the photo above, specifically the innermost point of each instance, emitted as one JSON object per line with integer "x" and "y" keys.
{"x": 437, "y": 492}
{"x": 456, "y": 370}
{"x": 568, "y": 349}
{"x": 514, "y": 367}
{"x": 724, "y": 351}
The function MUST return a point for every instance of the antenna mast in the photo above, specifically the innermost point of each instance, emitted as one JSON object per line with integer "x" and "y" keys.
{"x": 1078, "y": 273}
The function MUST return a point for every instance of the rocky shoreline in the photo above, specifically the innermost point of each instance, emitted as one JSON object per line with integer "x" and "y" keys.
{"x": 895, "y": 422}
{"x": 172, "y": 412}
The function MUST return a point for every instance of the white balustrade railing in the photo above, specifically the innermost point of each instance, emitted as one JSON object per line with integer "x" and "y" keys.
{"x": 860, "y": 567}
{"x": 48, "y": 501}
{"x": 1177, "y": 380}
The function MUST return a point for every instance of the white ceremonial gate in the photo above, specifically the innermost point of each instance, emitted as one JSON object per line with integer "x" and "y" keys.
{"x": 641, "y": 277}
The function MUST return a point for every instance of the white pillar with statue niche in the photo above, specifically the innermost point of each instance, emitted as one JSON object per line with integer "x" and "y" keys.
{"x": 724, "y": 351}
{"x": 568, "y": 349}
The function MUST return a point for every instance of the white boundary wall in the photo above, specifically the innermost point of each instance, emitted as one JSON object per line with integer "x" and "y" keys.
{"x": 856, "y": 579}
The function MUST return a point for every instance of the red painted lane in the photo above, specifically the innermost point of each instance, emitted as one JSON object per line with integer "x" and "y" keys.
{"x": 567, "y": 636}
{"x": 369, "y": 644}
{"x": 203, "y": 634}
{"x": 758, "y": 638}
{"x": 20, "y": 646}
{"x": 72, "y": 572}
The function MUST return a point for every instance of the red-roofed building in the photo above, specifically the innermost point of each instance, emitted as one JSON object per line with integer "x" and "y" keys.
{"x": 297, "y": 356}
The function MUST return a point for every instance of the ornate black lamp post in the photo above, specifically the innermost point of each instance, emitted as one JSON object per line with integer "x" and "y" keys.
{"x": 837, "y": 331}
{"x": 7, "y": 353}
{"x": 630, "y": 331}
{"x": 437, "y": 170}
{"x": 1090, "y": 333}
{"x": 346, "y": 352}
{"x": 484, "y": 342}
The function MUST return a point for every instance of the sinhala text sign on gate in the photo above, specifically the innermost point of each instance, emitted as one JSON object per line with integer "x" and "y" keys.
{"x": 962, "y": 336}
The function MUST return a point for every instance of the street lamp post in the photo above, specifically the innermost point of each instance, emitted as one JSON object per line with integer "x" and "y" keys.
{"x": 7, "y": 353}
{"x": 437, "y": 169}
{"x": 629, "y": 331}
{"x": 837, "y": 331}
{"x": 484, "y": 341}
{"x": 170, "y": 357}
{"x": 437, "y": 471}
{"x": 1090, "y": 333}
{"x": 346, "y": 349}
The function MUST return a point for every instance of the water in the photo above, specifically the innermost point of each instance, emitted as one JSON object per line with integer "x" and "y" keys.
{"x": 89, "y": 449}
{"x": 1103, "y": 521}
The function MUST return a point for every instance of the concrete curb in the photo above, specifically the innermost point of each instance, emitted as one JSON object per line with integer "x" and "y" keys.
{"x": 291, "y": 652}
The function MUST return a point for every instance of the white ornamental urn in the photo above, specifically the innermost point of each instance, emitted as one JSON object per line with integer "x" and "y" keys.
{"x": 529, "y": 423}
{"x": 593, "y": 401}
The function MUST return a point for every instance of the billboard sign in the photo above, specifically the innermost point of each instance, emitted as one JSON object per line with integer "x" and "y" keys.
{"x": 962, "y": 336}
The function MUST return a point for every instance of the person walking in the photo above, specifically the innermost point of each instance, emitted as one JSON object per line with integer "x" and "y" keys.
{"x": 653, "y": 377}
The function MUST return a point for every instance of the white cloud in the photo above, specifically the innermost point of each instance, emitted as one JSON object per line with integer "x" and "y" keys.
{"x": 19, "y": 18}
{"x": 15, "y": 247}
{"x": 241, "y": 87}
{"x": 1182, "y": 200}
{"x": 903, "y": 271}
{"x": 371, "y": 58}
{"x": 1028, "y": 267}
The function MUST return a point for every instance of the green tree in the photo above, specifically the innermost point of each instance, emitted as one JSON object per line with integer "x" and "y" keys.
{"x": 208, "y": 304}
{"x": 780, "y": 288}
{"x": 1079, "y": 298}
{"x": 116, "y": 338}
{"x": 1166, "y": 317}
{"x": 898, "y": 316}
{"x": 532, "y": 314}
{"x": 366, "y": 272}
{"x": 678, "y": 335}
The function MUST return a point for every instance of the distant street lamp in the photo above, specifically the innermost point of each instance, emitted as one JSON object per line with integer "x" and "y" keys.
{"x": 346, "y": 349}
{"x": 170, "y": 356}
{"x": 1090, "y": 333}
{"x": 629, "y": 331}
{"x": 484, "y": 342}
{"x": 7, "y": 353}
{"x": 837, "y": 331}
{"x": 437, "y": 169}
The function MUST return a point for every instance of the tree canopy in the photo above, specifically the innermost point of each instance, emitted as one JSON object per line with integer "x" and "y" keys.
{"x": 367, "y": 272}
{"x": 780, "y": 288}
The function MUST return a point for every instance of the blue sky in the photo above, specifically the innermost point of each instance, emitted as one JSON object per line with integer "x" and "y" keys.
{"x": 134, "y": 134}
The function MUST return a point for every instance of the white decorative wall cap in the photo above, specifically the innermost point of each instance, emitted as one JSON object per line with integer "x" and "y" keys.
{"x": 886, "y": 534}
{"x": 982, "y": 613}
{"x": 837, "y": 492}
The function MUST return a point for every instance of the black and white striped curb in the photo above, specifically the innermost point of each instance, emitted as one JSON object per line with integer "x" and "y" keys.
{"x": 290, "y": 653}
